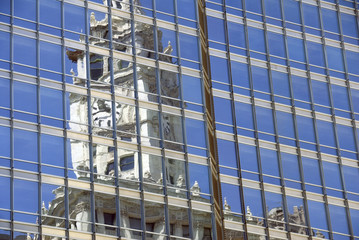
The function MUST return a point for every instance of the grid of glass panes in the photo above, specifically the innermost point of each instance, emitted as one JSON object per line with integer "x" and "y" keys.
{"x": 102, "y": 128}
{"x": 285, "y": 81}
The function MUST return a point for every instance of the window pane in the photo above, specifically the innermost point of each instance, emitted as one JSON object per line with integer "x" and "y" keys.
{"x": 311, "y": 15}
{"x": 311, "y": 171}
{"x": 272, "y": 8}
{"x": 290, "y": 166}
{"x": 248, "y": 157}
{"x": 330, "y": 20}
{"x": 227, "y": 153}
{"x": 305, "y": 129}
{"x": 223, "y": 110}
{"x": 335, "y": 58}
{"x": 25, "y": 145}
{"x": 50, "y": 12}
{"x": 52, "y": 150}
{"x": 256, "y": 39}
{"x": 265, "y": 120}
{"x": 332, "y": 175}
{"x": 25, "y": 97}
{"x": 296, "y": 49}
{"x": 22, "y": 45}
{"x": 291, "y": 11}
{"x": 216, "y": 29}
{"x": 326, "y": 133}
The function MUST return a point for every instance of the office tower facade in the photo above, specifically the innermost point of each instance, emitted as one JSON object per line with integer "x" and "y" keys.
{"x": 180, "y": 119}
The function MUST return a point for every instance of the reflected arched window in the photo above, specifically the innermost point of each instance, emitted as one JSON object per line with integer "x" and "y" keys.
{"x": 127, "y": 163}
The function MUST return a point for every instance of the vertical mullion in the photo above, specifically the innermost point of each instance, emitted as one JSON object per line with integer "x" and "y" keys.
{"x": 38, "y": 114}
{"x": 299, "y": 157}
{"x": 12, "y": 120}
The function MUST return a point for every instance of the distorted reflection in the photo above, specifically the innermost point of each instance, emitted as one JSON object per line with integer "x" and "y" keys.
{"x": 106, "y": 117}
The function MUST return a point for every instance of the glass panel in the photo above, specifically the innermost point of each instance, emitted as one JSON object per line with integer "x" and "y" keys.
{"x": 349, "y": 25}
{"x": 49, "y": 99}
{"x": 223, "y": 110}
{"x": 236, "y": 34}
{"x": 5, "y": 191}
{"x": 50, "y": 12}
{"x": 79, "y": 155}
{"x": 276, "y": 44}
{"x": 338, "y": 218}
{"x": 186, "y": 8}
{"x": 332, "y": 175}
{"x": 155, "y": 219}
{"x": 216, "y": 29}
{"x": 219, "y": 69}
{"x": 244, "y": 115}
{"x": 25, "y": 145}
{"x": 311, "y": 15}
{"x": 192, "y": 89}
{"x": 320, "y": 93}
{"x": 81, "y": 208}
{"x": 22, "y": 45}
{"x": 167, "y": 44}
{"x": 351, "y": 175}
{"x": 232, "y": 201}
{"x": 330, "y": 20}
{"x": 260, "y": 79}
{"x": 269, "y": 161}
{"x": 74, "y": 18}
{"x": 253, "y": 203}
{"x": 179, "y": 221}
{"x": 292, "y": 11}
{"x": 26, "y": 196}
{"x": 189, "y": 46}
{"x": 296, "y": 215}
{"x": 52, "y": 150}
{"x": 335, "y": 58}
{"x": 305, "y": 129}
{"x": 311, "y": 171}
{"x": 25, "y": 9}
{"x": 326, "y": 133}
{"x": 296, "y": 49}
{"x": 248, "y": 157}
{"x": 346, "y": 137}
{"x": 5, "y": 43}
{"x": 256, "y": 38}
{"x": 195, "y": 133}
{"x": 285, "y": 124}
{"x": 273, "y": 8}
{"x": 265, "y": 119}
{"x": 152, "y": 173}
{"x": 290, "y": 166}
{"x": 4, "y": 142}
{"x": 317, "y": 215}
{"x": 315, "y": 53}
{"x": 254, "y": 6}
{"x": 227, "y": 153}
{"x": 240, "y": 75}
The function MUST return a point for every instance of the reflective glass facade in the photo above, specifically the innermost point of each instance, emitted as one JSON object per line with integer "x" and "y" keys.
{"x": 179, "y": 119}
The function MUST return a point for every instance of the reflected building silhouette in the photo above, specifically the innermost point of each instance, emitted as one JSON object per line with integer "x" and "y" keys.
{"x": 107, "y": 114}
